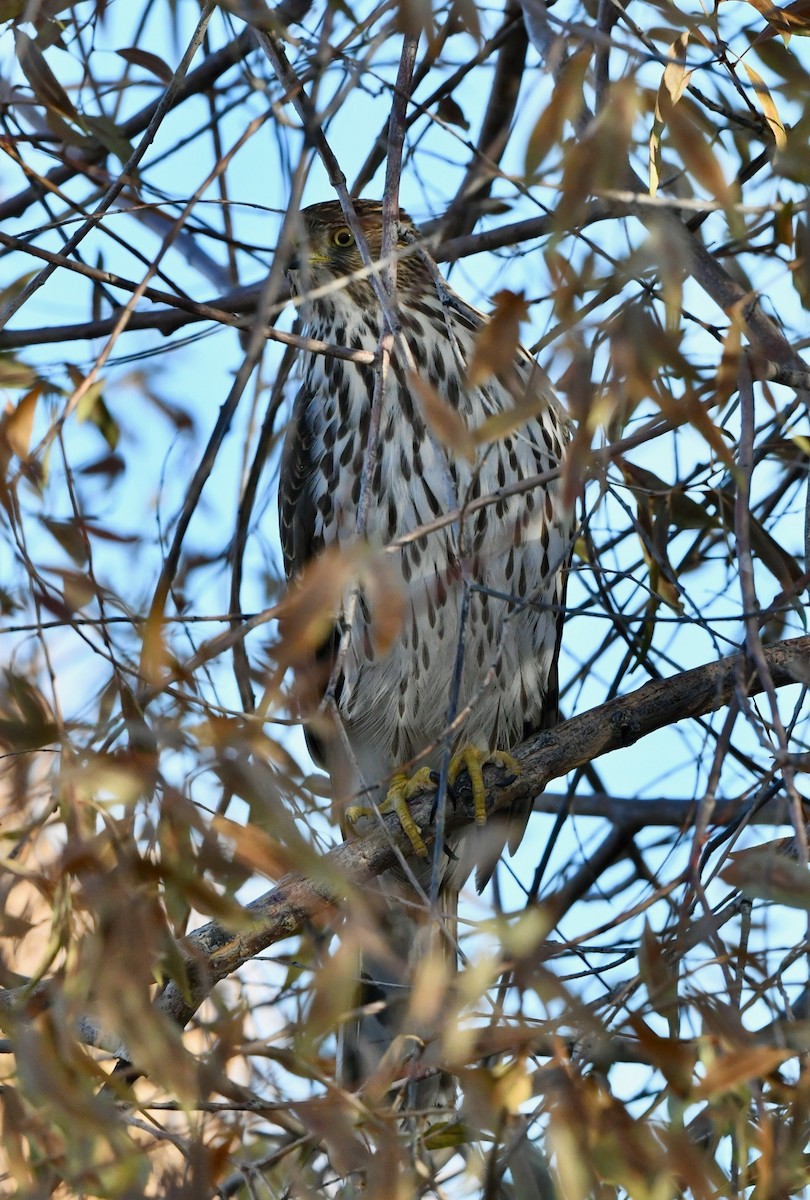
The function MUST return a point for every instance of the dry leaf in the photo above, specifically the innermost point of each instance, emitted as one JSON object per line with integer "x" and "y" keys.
{"x": 443, "y": 421}
{"x": 307, "y": 613}
{"x": 764, "y": 873}
{"x": 768, "y": 107}
{"x": 674, "y": 82}
{"x": 255, "y": 848}
{"x": 565, "y": 105}
{"x": 497, "y": 342}
{"x": 19, "y": 422}
{"x": 738, "y": 1067}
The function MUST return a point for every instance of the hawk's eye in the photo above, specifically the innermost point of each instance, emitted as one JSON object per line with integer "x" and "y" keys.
{"x": 343, "y": 237}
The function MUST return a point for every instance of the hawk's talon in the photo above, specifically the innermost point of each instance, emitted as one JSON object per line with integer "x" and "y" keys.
{"x": 472, "y": 760}
{"x": 400, "y": 790}
{"x": 357, "y": 812}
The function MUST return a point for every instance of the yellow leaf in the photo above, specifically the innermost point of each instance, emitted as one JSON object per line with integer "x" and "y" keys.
{"x": 676, "y": 77}
{"x": 155, "y": 655}
{"x": 502, "y": 424}
{"x": 15, "y": 374}
{"x": 19, "y": 423}
{"x": 513, "y": 1086}
{"x": 768, "y": 107}
{"x": 429, "y": 994}
{"x": 674, "y": 82}
{"x": 783, "y": 225}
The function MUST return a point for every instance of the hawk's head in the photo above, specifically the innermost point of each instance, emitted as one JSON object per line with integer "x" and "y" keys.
{"x": 327, "y": 250}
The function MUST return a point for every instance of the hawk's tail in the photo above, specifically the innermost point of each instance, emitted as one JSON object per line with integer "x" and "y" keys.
{"x": 393, "y": 1043}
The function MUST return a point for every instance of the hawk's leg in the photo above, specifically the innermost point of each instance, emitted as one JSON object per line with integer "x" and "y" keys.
{"x": 472, "y": 760}
{"x": 403, "y": 788}
{"x": 400, "y": 790}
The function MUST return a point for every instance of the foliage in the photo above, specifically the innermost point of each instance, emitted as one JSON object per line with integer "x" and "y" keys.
{"x": 630, "y": 1016}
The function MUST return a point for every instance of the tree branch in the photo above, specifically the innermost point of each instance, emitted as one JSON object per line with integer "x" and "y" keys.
{"x": 213, "y": 953}
{"x": 214, "y": 66}
{"x": 283, "y": 911}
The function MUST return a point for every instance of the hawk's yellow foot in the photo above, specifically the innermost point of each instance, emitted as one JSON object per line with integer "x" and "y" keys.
{"x": 472, "y": 760}
{"x": 400, "y": 790}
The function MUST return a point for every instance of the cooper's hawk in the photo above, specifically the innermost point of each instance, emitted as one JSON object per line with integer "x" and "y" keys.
{"x": 492, "y": 581}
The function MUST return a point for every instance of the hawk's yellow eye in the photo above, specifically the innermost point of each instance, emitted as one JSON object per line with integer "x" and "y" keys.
{"x": 342, "y": 237}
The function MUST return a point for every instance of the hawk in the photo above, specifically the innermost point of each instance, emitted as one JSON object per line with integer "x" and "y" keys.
{"x": 492, "y": 581}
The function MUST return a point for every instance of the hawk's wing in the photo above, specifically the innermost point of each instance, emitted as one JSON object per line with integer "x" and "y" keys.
{"x": 295, "y": 494}
{"x": 297, "y": 519}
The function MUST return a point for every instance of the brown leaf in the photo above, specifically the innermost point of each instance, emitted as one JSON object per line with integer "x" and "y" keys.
{"x": 451, "y": 112}
{"x": 466, "y": 11}
{"x": 533, "y": 400}
{"x": 255, "y": 848}
{"x": 764, "y": 873}
{"x": 782, "y": 565}
{"x": 414, "y": 17}
{"x": 673, "y": 1058}
{"x": 738, "y": 1067}
{"x": 383, "y": 588}
{"x": 660, "y": 976}
{"x": 698, "y": 156}
{"x": 497, "y": 342}
{"x": 793, "y": 18}
{"x": 18, "y": 424}
{"x": 13, "y": 289}
{"x": 443, "y": 421}
{"x": 598, "y": 161}
{"x": 69, "y": 536}
{"x": 307, "y": 613}
{"x": 149, "y": 61}
{"x": 332, "y": 1120}
{"x": 78, "y": 588}
{"x": 800, "y": 267}
{"x": 565, "y": 105}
